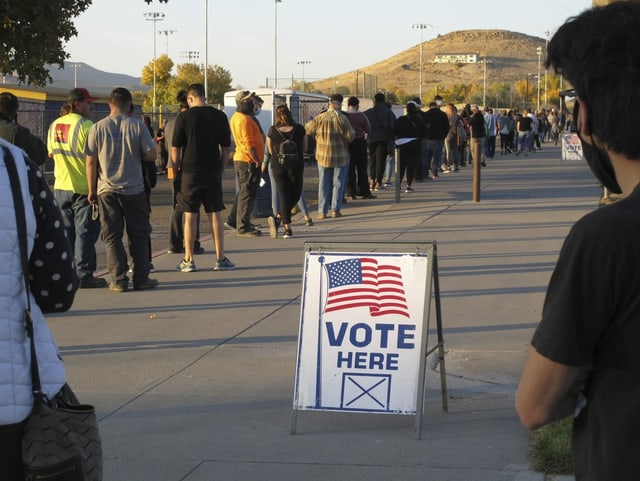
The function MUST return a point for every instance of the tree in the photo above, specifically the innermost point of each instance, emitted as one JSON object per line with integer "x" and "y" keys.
{"x": 458, "y": 93}
{"x": 526, "y": 90}
{"x": 219, "y": 80}
{"x": 33, "y": 35}
{"x": 163, "y": 66}
{"x": 168, "y": 86}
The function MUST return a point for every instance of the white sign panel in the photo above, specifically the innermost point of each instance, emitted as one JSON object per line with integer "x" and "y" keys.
{"x": 361, "y": 330}
{"x": 571, "y": 147}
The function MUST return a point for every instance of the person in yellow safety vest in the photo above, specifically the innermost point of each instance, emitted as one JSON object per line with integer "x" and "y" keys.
{"x": 65, "y": 144}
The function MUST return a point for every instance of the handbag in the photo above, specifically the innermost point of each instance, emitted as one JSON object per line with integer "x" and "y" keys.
{"x": 61, "y": 441}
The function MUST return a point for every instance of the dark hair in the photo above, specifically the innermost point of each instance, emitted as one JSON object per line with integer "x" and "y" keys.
{"x": 353, "y": 101}
{"x": 9, "y": 104}
{"x": 120, "y": 97}
{"x": 379, "y": 97}
{"x": 337, "y": 98}
{"x": 597, "y": 52}
{"x": 283, "y": 116}
{"x": 195, "y": 90}
{"x": 182, "y": 99}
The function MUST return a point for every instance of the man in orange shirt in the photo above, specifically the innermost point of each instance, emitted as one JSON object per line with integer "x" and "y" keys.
{"x": 247, "y": 160}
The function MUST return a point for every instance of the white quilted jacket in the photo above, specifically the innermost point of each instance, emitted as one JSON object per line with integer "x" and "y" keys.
{"x": 16, "y": 399}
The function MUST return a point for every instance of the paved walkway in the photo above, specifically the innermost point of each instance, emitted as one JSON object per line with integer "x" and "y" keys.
{"x": 193, "y": 381}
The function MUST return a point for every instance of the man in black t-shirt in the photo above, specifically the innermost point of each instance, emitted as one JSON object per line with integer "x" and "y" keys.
{"x": 203, "y": 137}
{"x": 584, "y": 358}
{"x": 437, "y": 124}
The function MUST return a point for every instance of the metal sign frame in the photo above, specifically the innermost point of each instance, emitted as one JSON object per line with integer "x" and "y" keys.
{"x": 428, "y": 250}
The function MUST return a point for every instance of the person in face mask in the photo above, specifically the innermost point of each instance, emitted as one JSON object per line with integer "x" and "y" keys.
{"x": 584, "y": 359}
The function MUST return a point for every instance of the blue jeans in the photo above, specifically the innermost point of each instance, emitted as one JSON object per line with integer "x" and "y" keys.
{"x": 433, "y": 158}
{"x": 116, "y": 212}
{"x": 82, "y": 230}
{"x": 331, "y": 184}
{"x": 389, "y": 173}
{"x": 524, "y": 141}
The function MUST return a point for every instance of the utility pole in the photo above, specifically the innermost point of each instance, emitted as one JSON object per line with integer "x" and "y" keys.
{"x": 154, "y": 17}
{"x": 303, "y": 63}
{"x": 421, "y": 27}
{"x": 539, "y": 52}
{"x": 275, "y": 44}
{"x": 167, "y": 33}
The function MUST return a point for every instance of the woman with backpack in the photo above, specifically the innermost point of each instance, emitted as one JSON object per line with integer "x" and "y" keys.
{"x": 286, "y": 143}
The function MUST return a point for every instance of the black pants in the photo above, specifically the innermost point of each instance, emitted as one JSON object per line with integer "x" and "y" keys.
{"x": 409, "y": 158}
{"x": 358, "y": 183}
{"x": 289, "y": 178}
{"x": 11, "y": 451}
{"x": 378, "y": 150}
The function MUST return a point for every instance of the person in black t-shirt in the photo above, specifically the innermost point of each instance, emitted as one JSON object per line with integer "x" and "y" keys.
{"x": 201, "y": 142}
{"x": 584, "y": 359}
{"x": 524, "y": 126}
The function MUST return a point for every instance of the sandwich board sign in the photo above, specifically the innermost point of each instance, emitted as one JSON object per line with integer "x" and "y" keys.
{"x": 362, "y": 343}
{"x": 571, "y": 147}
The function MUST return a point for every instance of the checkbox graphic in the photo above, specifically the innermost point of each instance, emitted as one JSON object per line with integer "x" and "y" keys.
{"x": 366, "y": 392}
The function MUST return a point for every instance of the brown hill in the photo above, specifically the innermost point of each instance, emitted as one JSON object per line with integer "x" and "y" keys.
{"x": 510, "y": 57}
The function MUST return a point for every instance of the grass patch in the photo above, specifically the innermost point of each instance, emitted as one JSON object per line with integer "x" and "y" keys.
{"x": 551, "y": 448}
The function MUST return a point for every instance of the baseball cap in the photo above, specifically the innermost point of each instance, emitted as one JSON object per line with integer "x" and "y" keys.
{"x": 81, "y": 95}
{"x": 244, "y": 95}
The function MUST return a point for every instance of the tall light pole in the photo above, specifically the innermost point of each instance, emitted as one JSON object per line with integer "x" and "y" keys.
{"x": 484, "y": 61}
{"x": 206, "y": 50}
{"x": 421, "y": 27}
{"x": 275, "y": 43}
{"x": 546, "y": 48}
{"x": 539, "y": 52}
{"x": 154, "y": 17}
{"x": 75, "y": 66}
{"x": 303, "y": 63}
{"x": 166, "y": 33}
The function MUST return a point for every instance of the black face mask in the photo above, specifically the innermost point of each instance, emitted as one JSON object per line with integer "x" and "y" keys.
{"x": 598, "y": 160}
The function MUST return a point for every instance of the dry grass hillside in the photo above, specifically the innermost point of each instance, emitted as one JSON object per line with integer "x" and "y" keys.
{"x": 510, "y": 57}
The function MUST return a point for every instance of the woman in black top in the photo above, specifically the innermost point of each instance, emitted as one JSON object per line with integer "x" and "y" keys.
{"x": 408, "y": 131}
{"x": 287, "y": 172}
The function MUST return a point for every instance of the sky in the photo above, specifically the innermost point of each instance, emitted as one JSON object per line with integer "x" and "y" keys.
{"x": 315, "y": 39}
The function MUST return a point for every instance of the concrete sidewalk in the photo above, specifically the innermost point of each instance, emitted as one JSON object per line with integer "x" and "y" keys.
{"x": 194, "y": 380}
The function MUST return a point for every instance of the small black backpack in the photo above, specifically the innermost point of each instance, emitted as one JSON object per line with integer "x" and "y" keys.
{"x": 288, "y": 151}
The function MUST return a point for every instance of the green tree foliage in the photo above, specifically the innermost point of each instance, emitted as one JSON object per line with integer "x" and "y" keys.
{"x": 168, "y": 85}
{"x": 163, "y": 66}
{"x": 553, "y": 89}
{"x": 526, "y": 90}
{"x": 455, "y": 94}
{"x": 33, "y": 34}
{"x": 219, "y": 80}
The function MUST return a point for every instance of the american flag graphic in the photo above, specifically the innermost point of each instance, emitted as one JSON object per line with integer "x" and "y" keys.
{"x": 362, "y": 282}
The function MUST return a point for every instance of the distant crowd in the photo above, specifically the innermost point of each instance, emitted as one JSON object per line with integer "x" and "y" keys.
{"x": 104, "y": 171}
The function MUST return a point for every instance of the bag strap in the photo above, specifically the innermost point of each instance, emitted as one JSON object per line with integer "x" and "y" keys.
{"x": 284, "y": 137}
{"x": 21, "y": 225}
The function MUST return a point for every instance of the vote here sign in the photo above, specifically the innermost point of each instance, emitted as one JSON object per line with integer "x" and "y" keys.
{"x": 361, "y": 330}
